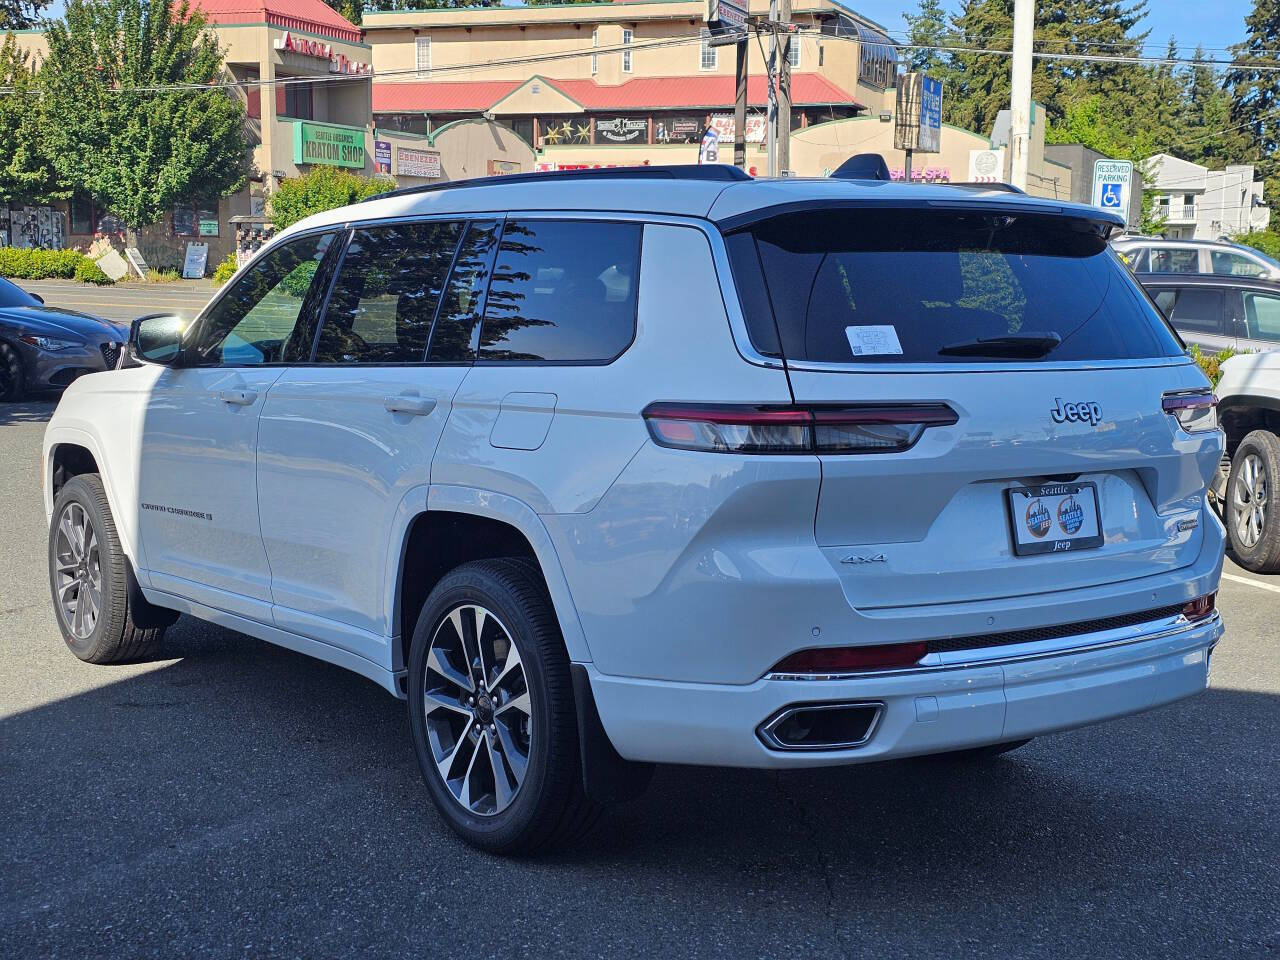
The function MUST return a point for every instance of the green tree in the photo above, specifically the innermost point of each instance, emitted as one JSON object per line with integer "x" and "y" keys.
{"x": 1255, "y": 94}
{"x": 26, "y": 170}
{"x": 927, "y": 30}
{"x": 130, "y": 115}
{"x": 324, "y": 188}
{"x": 21, "y": 14}
{"x": 351, "y": 9}
{"x": 1206, "y": 122}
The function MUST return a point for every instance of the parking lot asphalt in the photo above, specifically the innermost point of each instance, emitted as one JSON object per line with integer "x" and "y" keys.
{"x": 241, "y": 800}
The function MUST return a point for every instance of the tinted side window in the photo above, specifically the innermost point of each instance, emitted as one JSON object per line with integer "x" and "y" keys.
{"x": 1174, "y": 260}
{"x": 562, "y": 291}
{"x": 1198, "y": 310}
{"x": 1262, "y": 316}
{"x": 453, "y": 339}
{"x": 262, "y": 318}
{"x": 1137, "y": 259}
{"x": 1236, "y": 264}
{"x": 386, "y": 292}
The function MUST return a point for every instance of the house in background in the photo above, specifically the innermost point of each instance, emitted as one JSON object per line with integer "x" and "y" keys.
{"x": 1197, "y": 203}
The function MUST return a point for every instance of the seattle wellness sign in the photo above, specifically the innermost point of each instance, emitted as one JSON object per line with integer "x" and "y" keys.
{"x": 329, "y": 144}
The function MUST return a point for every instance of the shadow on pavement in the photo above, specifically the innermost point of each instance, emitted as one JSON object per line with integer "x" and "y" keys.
{"x": 244, "y": 799}
{"x": 36, "y": 410}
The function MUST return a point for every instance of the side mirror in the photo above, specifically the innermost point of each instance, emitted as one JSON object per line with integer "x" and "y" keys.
{"x": 157, "y": 338}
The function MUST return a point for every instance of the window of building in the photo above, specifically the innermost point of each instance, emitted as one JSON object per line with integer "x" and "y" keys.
{"x": 595, "y": 57}
{"x": 562, "y": 291}
{"x": 259, "y": 320}
{"x": 452, "y": 339}
{"x": 793, "y": 53}
{"x": 709, "y": 58}
{"x": 626, "y": 54}
{"x": 297, "y": 101}
{"x": 422, "y": 49}
{"x": 385, "y": 296}
{"x": 83, "y": 216}
{"x": 195, "y": 219}
{"x": 819, "y": 54}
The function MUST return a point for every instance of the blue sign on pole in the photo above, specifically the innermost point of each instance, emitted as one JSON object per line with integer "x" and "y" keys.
{"x": 930, "y": 137}
{"x": 1111, "y": 195}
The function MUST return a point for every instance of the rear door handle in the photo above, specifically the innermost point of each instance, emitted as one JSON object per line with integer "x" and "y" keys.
{"x": 239, "y": 398}
{"x": 413, "y": 406}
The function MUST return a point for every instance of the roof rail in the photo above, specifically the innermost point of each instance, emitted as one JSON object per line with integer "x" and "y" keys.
{"x": 993, "y": 185}
{"x": 711, "y": 171}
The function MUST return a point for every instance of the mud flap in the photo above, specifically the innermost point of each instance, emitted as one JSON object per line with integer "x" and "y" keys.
{"x": 606, "y": 776}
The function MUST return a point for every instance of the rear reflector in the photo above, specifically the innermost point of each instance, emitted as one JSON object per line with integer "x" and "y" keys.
{"x": 725, "y": 428}
{"x": 835, "y": 660}
{"x": 1195, "y": 410}
{"x": 1200, "y": 607}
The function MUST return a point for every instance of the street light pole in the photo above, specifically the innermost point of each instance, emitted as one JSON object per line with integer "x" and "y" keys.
{"x": 1020, "y": 101}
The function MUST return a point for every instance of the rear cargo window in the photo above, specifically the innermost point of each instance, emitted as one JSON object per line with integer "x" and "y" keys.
{"x": 911, "y": 286}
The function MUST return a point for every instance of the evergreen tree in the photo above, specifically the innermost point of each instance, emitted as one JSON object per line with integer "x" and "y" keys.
{"x": 26, "y": 171}
{"x": 928, "y": 29}
{"x": 116, "y": 125}
{"x": 1255, "y": 95}
{"x": 1206, "y": 122}
{"x": 21, "y": 14}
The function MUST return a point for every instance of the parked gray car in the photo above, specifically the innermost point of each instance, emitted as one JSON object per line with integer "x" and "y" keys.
{"x": 44, "y": 348}
{"x": 1221, "y": 258}
{"x": 1219, "y": 313}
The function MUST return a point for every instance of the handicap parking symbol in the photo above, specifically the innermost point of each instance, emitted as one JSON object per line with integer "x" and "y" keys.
{"x": 1111, "y": 195}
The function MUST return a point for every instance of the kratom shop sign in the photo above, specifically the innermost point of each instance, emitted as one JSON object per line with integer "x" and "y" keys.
{"x": 328, "y": 143}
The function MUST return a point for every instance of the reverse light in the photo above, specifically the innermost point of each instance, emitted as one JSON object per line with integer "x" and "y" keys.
{"x": 1196, "y": 410}
{"x": 730, "y": 428}
{"x": 836, "y": 660}
{"x": 1200, "y": 607}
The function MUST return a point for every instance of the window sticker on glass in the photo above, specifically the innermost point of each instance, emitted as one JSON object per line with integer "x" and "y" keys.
{"x": 873, "y": 340}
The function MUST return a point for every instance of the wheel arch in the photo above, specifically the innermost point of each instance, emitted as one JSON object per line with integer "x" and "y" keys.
{"x": 480, "y": 524}
{"x": 1242, "y": 414}
{"x": 69, "y": 451}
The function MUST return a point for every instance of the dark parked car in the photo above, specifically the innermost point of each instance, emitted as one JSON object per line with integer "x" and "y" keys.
{"x": 43, "y": 348}
{"x": 1219, "y": 312}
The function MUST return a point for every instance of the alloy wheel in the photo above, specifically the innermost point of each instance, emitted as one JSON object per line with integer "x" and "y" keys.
{"x": 1249, "y": 500}
{"x": 478, "y": 712}
{"x": 78, "y": 576}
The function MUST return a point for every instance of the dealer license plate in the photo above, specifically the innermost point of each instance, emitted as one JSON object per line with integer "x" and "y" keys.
{"x": 1054, "y": 518}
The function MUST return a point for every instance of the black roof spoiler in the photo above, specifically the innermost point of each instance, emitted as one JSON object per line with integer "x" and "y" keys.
{"x": 863, "y": 166}
{"x": 711, "y": 171}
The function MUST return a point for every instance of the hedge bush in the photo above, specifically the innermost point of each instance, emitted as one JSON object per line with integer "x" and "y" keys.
{"x": 223, "y": 272}
{"x": 27, "y": 264}
{"x": 89, "y": 272}
{"x": 1211, "y": 363}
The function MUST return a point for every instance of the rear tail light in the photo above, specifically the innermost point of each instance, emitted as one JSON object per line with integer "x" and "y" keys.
{"x": 726, "y": 428}
{"x": 835, "y": 660}
{"x": 1196, "y": 411}
{"x": 1200, "y": 607}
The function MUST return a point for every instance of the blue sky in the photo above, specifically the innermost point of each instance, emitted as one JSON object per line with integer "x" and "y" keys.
{"x": 1216, "y": 25}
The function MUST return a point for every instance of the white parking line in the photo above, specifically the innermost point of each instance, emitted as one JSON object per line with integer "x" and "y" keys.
{"x": 1253, "y": 583}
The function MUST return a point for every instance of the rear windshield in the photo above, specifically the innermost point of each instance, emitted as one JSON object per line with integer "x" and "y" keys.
{"x": 909, "y": 286}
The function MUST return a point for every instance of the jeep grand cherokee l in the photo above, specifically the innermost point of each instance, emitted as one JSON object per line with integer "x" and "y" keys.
{"x": 663, "y": 466}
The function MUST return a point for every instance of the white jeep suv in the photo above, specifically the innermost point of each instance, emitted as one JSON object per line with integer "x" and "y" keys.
{"x": 667, "y": 465}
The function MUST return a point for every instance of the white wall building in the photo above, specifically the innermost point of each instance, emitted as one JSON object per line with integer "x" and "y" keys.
{"x": 1202, "y": 204}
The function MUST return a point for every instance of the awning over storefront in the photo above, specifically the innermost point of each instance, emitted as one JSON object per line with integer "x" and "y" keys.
{"x": 639, "y": 94}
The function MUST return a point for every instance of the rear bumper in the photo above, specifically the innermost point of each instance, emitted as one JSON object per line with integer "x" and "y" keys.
{"x": 1022, "y": 692}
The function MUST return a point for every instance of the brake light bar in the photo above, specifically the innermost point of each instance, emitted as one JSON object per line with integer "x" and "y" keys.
{"x": 1195, "y": 410}
{"x": 750, "y": 428}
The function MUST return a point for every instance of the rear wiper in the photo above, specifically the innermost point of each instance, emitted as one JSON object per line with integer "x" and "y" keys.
{"x": 1028, "y": 346}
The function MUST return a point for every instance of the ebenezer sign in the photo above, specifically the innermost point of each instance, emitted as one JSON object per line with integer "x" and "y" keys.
{"x": 328, "y": 143}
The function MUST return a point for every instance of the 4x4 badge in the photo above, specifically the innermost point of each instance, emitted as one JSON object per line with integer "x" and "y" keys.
{"x": 878, "y": 558}
{"x": 1084, "y": 411}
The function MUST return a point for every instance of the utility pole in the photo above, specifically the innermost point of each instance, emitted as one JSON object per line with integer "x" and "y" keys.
{"x": 740, "y": 105}
{"x": 1020, "y": 103}
{"x": 784, "y": 91}
{"x": 771, "y": 121}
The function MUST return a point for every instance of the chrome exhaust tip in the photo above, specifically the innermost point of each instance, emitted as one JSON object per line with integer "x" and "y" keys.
{"x": 821, "y": 726}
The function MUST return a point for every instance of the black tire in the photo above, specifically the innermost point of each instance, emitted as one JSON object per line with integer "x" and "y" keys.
{"x": 988, "y": 752}
{"x": 126, "y": 629}
{"x": 549, "y": 807}
{"x": 12, "y": 376}
{"x": 1258, "y": 454}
